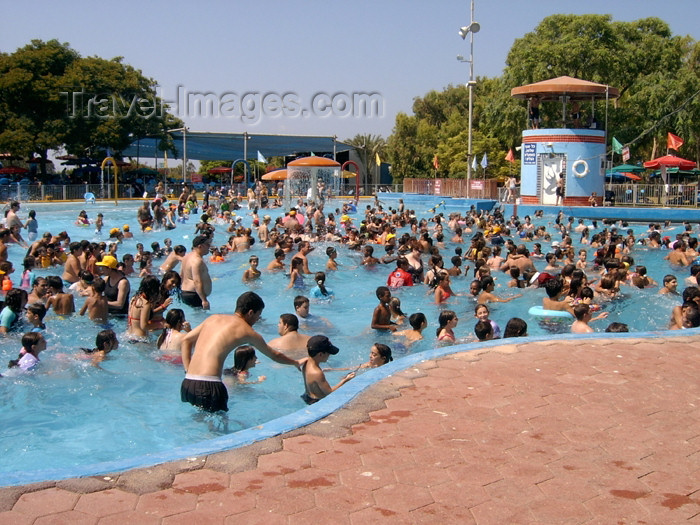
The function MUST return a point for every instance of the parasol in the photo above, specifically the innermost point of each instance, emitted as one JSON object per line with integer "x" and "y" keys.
{"x": 670, "y": 161}
{"x": 280, "y": 174}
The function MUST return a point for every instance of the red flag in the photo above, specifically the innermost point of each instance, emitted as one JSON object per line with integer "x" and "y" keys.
{"x": 510, "y": 157}
{"x": 436, "y": 163}
{"x": 674, "y": 141}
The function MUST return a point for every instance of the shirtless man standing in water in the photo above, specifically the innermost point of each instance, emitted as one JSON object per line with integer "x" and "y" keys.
{"x": 213, "y": 341}
{"x": 196, "y": 282}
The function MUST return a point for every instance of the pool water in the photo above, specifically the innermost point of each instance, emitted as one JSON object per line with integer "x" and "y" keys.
{"x": 71, "y": 413}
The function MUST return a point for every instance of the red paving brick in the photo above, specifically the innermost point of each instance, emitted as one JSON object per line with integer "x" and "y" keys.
{"x": 542, "y": 433}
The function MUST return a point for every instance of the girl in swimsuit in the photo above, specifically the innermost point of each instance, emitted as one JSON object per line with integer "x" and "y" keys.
{"x": 244, "y": 359}
{"x": 175, "y": 329}
{"x": 141, "y": 307}
{"x": 397, "y": 315}
{"x": 447, "y": 321}
{"x": 481, "y": 312}
{"x": 296, "y": 278}
{"x": 442, "y": 290}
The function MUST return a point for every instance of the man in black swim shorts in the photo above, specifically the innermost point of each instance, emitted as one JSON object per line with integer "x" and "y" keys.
{"x": 212, "y": 341}
{"x": 196, "y": 282}
{"x": 207, "y": 392}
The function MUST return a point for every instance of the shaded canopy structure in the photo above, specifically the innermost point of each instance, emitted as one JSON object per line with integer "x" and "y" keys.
{"x": 232, "y": 146}
{"x": 627, "y": 168}
{"x": 670, "y": 161}
{"x": 572, "y": 88}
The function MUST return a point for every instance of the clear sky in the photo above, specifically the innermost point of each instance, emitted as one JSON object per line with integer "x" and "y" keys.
{"x": 396, "y": 49}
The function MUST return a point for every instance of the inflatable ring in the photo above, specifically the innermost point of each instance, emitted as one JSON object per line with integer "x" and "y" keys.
{"x": 577, "y": 173}
{"x": 538, "y": 311}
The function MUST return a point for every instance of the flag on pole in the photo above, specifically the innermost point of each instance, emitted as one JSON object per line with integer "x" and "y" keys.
{"x": 436, "y": 162}
{"x": 261, "y": 158}
{"x": 484, "y": 161}
{"x": 510, "y": 157}
{"x": 625, "y": 153}
{"x": 617, "y": 147}
{"x": 377, "y": 160}
{"x": 474, "y": 164}
{"x": 674, "y": 141}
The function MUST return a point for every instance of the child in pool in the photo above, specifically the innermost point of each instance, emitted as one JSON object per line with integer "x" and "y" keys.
{"x": 99, "y": 223}
{"x": 61, "y": 302}
{"x": 81, "y": 288}
{"x": 31, "y": 225}
{"x": 278, "y": 262}
{"x": 296, "y": 277}
{"x": 252, "y": 272}
{"x": 447, "y": 322}
{"x": 105, "y": 342}
{"x": 217, "y": 257}
{"x": 397, "y": 315}
{"x": 482, "y": 312}
{"x": 483, "y": 331}
{"x": 35, "y": 317}
{"x": 515, "y": 327}
{"x": 96, "y": 303}
{"x": 320, "y": 291}
{"x": 583, "y": 315}
{"x": 244, "y": 359}
{"x": 27, "y": 279}
{"x": 33, "y": 343}
{"x": 442, "y": 291}
{"x": 379, "y": 355}
{"x": 175, "y": 329}
{"x": 82, "y": 219}
{"x": 418, "y": 323}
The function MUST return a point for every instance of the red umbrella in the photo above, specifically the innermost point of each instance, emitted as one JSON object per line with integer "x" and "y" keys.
{"x": 670, "y": 161}
{"x": 219, "y": 171}
{"x": 13, "y": 170}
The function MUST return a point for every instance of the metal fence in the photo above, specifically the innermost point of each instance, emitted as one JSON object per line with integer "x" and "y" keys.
{"x": 77, "y": 192}
{"x": 480, "y": 189}
{"x": 672, "y": 195}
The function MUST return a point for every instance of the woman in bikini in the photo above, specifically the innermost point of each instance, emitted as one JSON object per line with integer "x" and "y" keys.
{"x": 141, "y": 307}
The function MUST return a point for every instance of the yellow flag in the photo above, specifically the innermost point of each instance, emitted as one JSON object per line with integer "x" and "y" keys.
{"x": 377, "y": 159}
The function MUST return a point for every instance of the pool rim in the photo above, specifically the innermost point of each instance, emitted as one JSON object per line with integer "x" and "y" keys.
{"x": 308, "y": 415}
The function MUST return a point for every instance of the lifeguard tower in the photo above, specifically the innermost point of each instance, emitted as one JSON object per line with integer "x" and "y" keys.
{"x": 575, "y": 149}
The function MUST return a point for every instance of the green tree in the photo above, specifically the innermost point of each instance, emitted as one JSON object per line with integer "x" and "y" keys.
{"x": 32, "y": 110}
{"x": 368, "y": 146}
{"x": 52, "y": 98}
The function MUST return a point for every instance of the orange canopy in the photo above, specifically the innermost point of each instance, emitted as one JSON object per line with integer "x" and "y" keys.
{"x": 275, "y": 175}
{"x": 574, "y": 88}
{"x": 321, "y": 162}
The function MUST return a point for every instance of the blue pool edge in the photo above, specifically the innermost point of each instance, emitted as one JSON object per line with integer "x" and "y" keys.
{"x": 304, "y": 416}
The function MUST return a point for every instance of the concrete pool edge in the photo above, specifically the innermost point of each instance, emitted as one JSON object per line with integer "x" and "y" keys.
{"x": 258, "y": 440}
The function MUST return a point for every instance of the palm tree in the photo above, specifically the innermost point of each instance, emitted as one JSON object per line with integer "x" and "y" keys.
{"x": 368, "y": 147}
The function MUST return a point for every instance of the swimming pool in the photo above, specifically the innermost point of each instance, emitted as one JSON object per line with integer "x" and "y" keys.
{"x": 70, "y": 413}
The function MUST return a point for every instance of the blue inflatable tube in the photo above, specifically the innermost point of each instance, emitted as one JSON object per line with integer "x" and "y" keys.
{"x": 538, "y": 311}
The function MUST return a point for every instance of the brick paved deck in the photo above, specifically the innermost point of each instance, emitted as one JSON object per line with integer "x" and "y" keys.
{"x": 591, "y": 431}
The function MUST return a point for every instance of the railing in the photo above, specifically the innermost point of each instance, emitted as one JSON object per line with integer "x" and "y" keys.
{"x": 671, "y": 195}
{"x": 667, "y": 195}
{"x": 76, "y": 192}
{"x": 480, "y": 189}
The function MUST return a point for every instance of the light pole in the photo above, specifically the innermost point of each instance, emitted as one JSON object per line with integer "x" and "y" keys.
{"x": 472, "y": 28}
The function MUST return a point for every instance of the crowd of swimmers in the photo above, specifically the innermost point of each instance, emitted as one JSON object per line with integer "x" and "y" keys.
{"x": 488, "y": 246}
